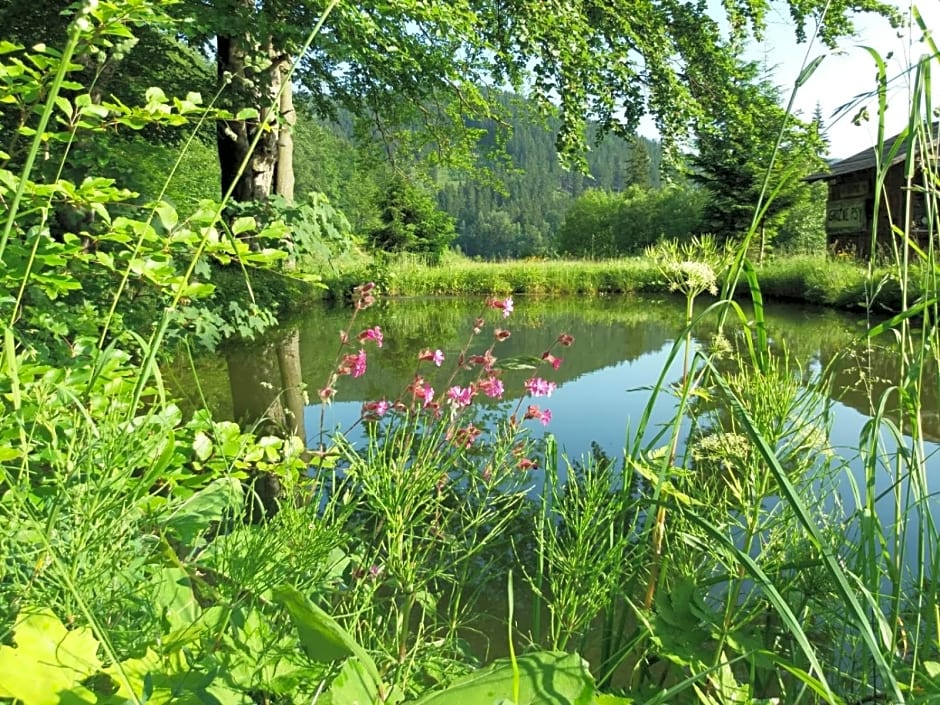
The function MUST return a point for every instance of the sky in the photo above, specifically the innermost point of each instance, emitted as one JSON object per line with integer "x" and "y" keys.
{"x": 848, "y": 72}
{"x": 845, "y": 73}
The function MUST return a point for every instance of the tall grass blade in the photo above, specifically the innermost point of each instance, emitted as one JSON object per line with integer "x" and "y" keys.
{"x": 856, "y": 611}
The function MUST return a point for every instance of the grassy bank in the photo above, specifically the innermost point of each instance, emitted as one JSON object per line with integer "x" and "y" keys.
{"x": 835, "y": 282}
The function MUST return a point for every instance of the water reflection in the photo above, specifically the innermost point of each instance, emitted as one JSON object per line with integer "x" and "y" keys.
{"x": 621, "y": 347}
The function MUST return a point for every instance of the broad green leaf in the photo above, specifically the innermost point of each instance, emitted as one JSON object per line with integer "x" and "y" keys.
{"x": 218, "y": 500}
{"x": 321, "y": 636}
{"x": 167, "y": 214}
{"x": 155, "y": 94}
{"x": 932, "y": 668}
{"x": 244, "y": 224}
{"x": 353, "y": 685}
{"x": 202, "y": 446}
{"x": 247, "y": 114}
{"x": 174, "y": 600}
{"x": 47, "y": 661}
{"x": 547, "y": 678}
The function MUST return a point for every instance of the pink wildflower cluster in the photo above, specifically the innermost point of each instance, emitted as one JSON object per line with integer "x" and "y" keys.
{"x": 458, "y": 397}
{"x": 538, "y": 387}
{"x": 353, "y": 364}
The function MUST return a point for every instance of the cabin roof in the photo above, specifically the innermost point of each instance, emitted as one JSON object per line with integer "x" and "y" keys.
{"x": 863, "y": 160}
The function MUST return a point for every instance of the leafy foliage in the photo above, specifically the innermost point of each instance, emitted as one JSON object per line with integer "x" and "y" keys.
{"x": 604, "y": 224}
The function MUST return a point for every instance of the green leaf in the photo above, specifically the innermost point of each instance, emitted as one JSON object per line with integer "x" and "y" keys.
{"x": 173, "y": 597}
{"x": 322, "y": 638}
{"x": 48, "y": 661}
{"x": 202, "y": 446}
{"x": 243, "y": 225}
{"x": 247, "y": 114}
{"x": 353, "y": 684}
{"x": 167, "y": 214}
{"x": 218, "y": 500}
{"x": 154, "y": 94}
{"x": 809, "y": 70}
{"x": 545, "y": 677}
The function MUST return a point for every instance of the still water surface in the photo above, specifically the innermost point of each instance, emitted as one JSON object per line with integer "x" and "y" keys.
{"x": 621, "y": 347}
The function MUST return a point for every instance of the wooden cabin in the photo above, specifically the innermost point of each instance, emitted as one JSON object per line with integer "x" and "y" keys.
{"x": 851, "y": 202}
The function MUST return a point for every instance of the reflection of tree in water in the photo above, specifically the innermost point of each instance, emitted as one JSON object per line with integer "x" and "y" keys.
{"x": 267, "y": 393}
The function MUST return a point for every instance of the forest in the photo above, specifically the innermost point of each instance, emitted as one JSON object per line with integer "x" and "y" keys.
{"x": 186, "y": 180}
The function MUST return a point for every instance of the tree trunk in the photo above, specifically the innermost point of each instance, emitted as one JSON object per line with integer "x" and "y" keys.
{"x": 252, "y": 89}
{"x": 284, "y": 169}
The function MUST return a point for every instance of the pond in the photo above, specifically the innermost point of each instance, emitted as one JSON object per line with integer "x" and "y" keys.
{"x": 603, "y": 384}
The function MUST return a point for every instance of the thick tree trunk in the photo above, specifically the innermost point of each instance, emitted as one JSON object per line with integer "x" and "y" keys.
{"x": 234, "y": 138}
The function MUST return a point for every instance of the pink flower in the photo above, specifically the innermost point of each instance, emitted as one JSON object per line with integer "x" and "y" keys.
{"x": 534, "y": 412}
{"x": 487, "y": 360}
{"x": 504, "y": 305}
{"x": 421, "y": 391}
{"x": 354, "y": 365}
{"x": 501, "y": 334}
{"x": 566, "y": 339}
{"x": 538, "y": 387}
{"x": 437, "y": 357}
{"x": 527, "y": 464}
{"x": 492, "y": 387}
{"x": 375, "y": 409}
{"x": 326, "y": 394}
{"x": 460, "y": 396}
{"x": 428, "y": 395}
{"x": 373, "y": 334}
{"x": 465, "y": 437}
{"x": 555, "y": 362}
